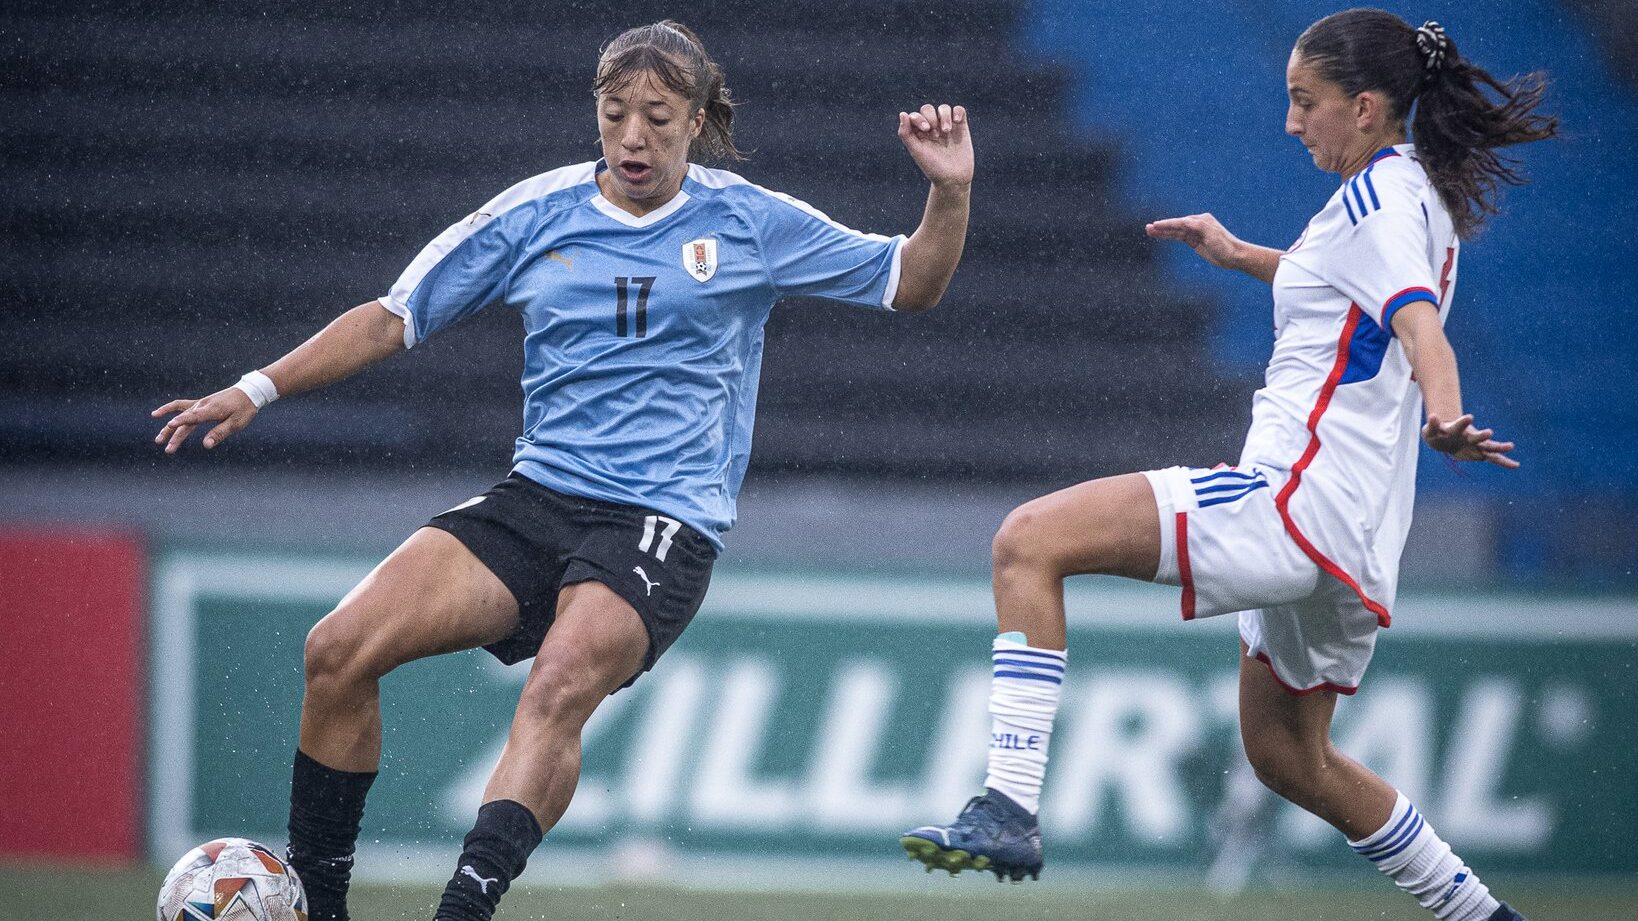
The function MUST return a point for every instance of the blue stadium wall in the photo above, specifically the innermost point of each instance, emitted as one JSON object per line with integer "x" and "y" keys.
{"x": 1543, "y": 319}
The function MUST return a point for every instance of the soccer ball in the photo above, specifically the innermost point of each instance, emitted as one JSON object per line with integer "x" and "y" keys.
{"x": 232, "y": 879}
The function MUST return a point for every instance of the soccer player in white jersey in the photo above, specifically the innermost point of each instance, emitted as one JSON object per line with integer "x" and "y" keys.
{"x": 644, "y": 283}
{"x": 1302, "y": 537}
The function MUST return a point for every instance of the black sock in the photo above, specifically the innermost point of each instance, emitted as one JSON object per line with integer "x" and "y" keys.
{"x": 326, "y": 807}
{"x": 497, "y": 848}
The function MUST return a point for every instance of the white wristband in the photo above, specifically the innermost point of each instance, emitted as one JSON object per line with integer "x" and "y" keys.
{"x": 259, "y": 387}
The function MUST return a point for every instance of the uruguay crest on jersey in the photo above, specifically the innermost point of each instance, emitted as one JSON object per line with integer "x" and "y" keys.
{"x": 623, "y": 326}
{"x": 699, "y": 257}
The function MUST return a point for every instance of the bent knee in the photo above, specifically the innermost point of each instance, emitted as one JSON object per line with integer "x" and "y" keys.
{"x": 337, "y": 652}
{"x": 1290, "y": 767}
{"x": 1022, "y": 541}
{"x": 564, "y": 699}
{"x": 568, "y": 681}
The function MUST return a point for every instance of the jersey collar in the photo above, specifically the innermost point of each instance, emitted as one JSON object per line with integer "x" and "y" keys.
{"x": 611, "y": 210}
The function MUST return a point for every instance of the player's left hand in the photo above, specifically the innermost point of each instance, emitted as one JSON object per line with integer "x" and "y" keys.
{"x": 938, "y": 141}
{"x": 1459, "y": 439}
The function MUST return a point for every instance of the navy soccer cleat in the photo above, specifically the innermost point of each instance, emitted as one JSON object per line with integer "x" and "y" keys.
{"x": 992, "y": 833}
{"x": 1505, "y": 912}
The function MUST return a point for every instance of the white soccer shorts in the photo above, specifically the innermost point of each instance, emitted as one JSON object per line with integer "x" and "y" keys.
{"x": 1222, "y": 540}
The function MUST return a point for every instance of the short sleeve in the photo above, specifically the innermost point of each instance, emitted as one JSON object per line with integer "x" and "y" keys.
{"x": 459, "y": 273}
{"x": 808, "y": 253}
{"x": 1384, "y": 265}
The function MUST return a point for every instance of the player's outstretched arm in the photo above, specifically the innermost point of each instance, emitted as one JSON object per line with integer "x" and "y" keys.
{"x": 938, "y": 141}
{"x": 352, "y": 342}
{"x": 1216, "y": 245}
{"x": 1433, "y": 363}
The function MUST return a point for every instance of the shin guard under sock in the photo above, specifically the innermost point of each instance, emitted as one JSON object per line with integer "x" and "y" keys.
{"x": 497, "y": 848}
{"x": 326, "y": 808}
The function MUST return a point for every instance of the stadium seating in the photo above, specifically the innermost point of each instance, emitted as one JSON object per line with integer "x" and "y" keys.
{"x": 1534, "y": 286}
{"x": 193, "y": 192}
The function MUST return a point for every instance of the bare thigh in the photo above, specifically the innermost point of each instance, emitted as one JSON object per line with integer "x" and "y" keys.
{"x": 1107, "y": 526}
{"x": 1270, "y": 712}
{"x": 430, "y": 596}
{"x": 1102, "y": 526}
{"x": 597, "y": 636}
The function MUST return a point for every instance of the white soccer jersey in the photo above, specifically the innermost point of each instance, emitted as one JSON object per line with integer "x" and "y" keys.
{"x": 1339, "y": 411}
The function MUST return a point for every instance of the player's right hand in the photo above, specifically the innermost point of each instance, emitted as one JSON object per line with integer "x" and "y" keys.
{"x": 231, "y": 409}
{"x": 1204, "y": 234}
{"x": 1462, "y": 440}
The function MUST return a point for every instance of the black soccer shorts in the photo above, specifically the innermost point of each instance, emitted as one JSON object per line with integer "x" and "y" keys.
{"x": 537, "y": 540}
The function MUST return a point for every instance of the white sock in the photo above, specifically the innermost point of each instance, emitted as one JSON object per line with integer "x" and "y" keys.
{"x": 1408, "y": 852}
{"x": 1023, "y": 703}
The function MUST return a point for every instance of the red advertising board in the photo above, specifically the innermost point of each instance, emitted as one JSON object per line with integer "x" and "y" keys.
{"x": 71, "y": 719}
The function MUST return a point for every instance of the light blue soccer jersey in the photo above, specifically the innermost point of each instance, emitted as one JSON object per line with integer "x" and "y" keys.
{"x": 643, "y": 335}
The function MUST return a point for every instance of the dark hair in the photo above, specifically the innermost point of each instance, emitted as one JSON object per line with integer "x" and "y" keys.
{"x": 675, "y": 56}
{"x": 1457, "y": 127}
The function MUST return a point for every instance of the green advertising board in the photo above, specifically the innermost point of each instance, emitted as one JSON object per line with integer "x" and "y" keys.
{"x": 805, "y": 719}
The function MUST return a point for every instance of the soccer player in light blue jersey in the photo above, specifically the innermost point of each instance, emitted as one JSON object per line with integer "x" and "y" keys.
{"x": 644, "y": 282}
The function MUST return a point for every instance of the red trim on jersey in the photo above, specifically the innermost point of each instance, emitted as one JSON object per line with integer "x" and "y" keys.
{"x": 1283, "y": 500}
{"x": 1444, "y": 274}
{"x": 1302, "y": 692}
{"x": 1183, "y": 571}
{"x": 1397, "y": 294}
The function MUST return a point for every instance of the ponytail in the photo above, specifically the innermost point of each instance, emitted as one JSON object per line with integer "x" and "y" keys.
{"x": 677, "y": 58}
{"x": 1456, "y": 126}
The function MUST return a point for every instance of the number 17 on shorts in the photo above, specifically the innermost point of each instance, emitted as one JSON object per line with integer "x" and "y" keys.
{"x": 662, "y": 527}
